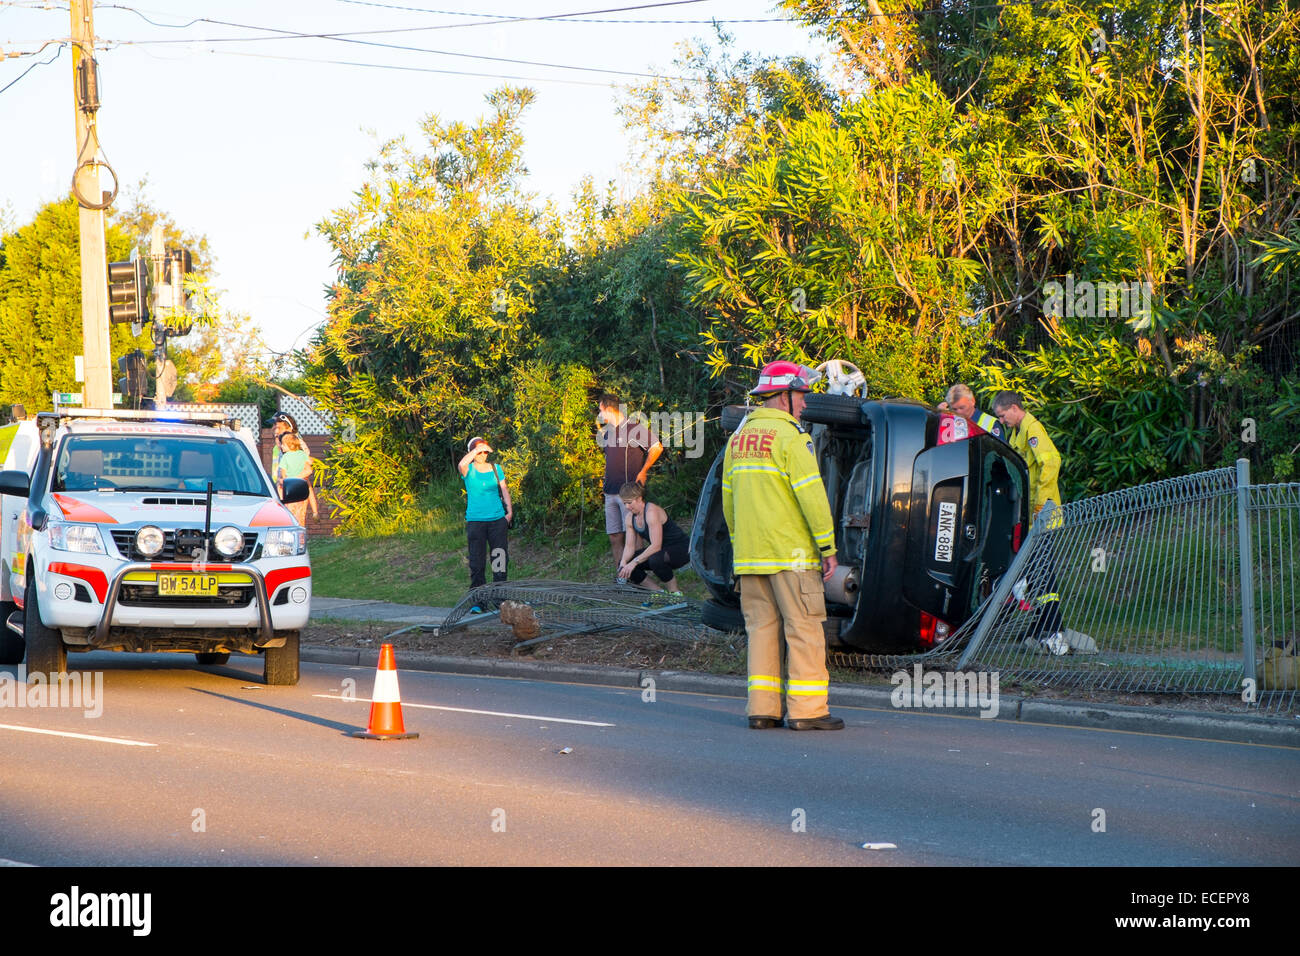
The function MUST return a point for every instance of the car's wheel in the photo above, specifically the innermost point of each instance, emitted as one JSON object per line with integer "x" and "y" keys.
{"x": 722, "y": 617}
{"x": 46, "y": 653}
{"x": 12, "y": 647}
{"x": 831, "y": 630}
{"x": 833, "y": 410}
{"x": 212, "y": 657}
{"x": 281, "y": 664}
{"x": 733, "y": 415}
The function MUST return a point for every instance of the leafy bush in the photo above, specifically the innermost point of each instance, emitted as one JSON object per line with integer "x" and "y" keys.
{"x": 549, "y": 456}
{"x": 1112, "y": 412}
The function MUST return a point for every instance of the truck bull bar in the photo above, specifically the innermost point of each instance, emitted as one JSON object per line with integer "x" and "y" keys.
{"x": 265, "y": 632}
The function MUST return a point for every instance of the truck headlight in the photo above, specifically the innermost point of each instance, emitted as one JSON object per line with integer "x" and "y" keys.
{"x": 229, "y": 541}
{"x": 84, "y": 538}
{"x": 285, "y": 542}
{"x": 149, "y": 541}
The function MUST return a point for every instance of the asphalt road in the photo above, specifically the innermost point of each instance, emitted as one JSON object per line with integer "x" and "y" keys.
{"x": 208, "y": 766}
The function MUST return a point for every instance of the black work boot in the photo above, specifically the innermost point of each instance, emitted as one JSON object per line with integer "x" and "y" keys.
{"x": 816, "y": 723}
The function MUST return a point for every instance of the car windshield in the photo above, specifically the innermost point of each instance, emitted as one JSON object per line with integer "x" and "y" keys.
{"x": 156, "y": 463}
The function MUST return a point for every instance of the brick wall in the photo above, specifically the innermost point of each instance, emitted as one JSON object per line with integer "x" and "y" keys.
{"x": 318, "y": 445}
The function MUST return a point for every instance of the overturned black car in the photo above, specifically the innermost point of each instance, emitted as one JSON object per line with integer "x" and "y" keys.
{"x": 929, "y": 511}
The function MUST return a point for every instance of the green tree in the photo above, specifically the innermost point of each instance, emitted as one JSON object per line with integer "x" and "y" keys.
{"x": 40, "y": 306}
{"x": 440, "y": 257}
{"x": 851, "y": 236}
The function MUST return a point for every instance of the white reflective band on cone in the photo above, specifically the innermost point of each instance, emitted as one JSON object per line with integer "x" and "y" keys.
{"x": 385, "y": 688}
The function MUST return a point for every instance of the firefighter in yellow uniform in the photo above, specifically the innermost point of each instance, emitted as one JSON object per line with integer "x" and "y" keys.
{"x": 1029, "y": 439}
{"x": 783, "y": 548}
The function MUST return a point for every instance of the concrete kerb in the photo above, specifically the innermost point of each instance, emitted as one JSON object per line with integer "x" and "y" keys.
{"x": 1235, "y": 728}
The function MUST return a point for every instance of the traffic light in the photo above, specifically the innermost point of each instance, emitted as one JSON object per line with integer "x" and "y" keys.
{"x": 176, "y": 264}
{"x": 132, "y": 382}
{"x": 128, "y": 291}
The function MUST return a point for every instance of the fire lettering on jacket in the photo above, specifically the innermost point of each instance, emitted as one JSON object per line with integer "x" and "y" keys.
{"x": 752, "y": 443}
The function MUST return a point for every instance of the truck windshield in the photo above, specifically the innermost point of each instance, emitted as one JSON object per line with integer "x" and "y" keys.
{"x": 156, "y": 463}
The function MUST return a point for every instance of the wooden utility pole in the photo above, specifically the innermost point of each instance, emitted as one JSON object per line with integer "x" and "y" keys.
{"x": 98, "y": 388}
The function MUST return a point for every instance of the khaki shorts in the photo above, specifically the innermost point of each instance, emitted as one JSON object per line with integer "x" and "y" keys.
{"x": 615, "y": 515}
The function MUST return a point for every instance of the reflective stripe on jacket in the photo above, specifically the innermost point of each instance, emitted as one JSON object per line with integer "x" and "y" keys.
{"x": 773, "y": 498}
{"x": 990, "y": 424}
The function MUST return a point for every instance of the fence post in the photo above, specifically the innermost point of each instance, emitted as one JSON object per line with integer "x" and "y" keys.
{"x": 1247, "y": 578}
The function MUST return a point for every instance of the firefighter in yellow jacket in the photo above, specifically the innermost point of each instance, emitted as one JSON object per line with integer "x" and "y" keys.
{"x": 1027, "y": 436}
{"x": 783, "y": 548}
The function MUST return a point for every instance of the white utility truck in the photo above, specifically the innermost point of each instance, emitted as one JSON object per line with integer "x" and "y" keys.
{"x": 147, "y": 531}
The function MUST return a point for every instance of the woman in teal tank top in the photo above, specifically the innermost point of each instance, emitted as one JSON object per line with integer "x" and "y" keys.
{"x": 488, "y": 511}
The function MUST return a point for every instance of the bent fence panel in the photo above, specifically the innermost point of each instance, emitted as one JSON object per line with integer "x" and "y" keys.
{"x": 1159, "y": 588}
{"x": 565, "y": 607}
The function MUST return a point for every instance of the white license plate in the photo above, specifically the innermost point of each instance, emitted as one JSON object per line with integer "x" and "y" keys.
{"x": 946, "y": 533}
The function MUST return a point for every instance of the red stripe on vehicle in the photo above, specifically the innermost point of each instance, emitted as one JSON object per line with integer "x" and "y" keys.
{"x": 272, "y": 514}
{"x": 280, "y": 575}
{"x": 96, "y": 578}
{"x": 78, "y": 510}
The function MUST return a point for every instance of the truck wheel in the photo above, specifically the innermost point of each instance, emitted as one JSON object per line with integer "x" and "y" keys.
{"x": 46, "y": 653}
{"x": 212, "y": 657}
{"x": 281, "y": 664}
{"x": 721, "y": 617}
{"x": 12, "y": 647}
{"x": 833, "y": 410}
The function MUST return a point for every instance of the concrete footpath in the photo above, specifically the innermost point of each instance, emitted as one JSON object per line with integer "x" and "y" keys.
{"x": 1240, "y": 728}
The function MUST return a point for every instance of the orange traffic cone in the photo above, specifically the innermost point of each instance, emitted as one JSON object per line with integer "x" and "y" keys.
{"x": 385, "y": 702}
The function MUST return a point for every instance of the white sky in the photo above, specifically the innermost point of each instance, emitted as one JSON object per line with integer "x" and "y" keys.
{"x": 253, "y": 150}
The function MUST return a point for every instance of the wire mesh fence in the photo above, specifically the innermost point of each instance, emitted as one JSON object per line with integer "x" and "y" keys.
{"x": 1186, "y": 586}
{"x": 558, "y": 608}
{"x": 1183, "y": 586}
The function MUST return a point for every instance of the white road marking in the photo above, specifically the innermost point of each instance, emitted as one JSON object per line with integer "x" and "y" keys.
{"x": 4, "y": 862}
{"x": 485, "y": 713}
{"x": 68, "y": 733}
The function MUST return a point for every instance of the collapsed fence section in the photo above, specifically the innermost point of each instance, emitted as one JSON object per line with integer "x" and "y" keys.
{"x": 541, "y": 610}
{"x": 1185, "y": 586}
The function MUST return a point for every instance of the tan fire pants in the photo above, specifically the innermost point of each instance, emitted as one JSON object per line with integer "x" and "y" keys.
{"x": 785, "y": 611}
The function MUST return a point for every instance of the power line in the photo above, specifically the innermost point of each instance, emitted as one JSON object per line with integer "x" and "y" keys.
{"x": 34, "y": 65}
{"x": 412, "y": 69}
{"x": 575, "y": 17}
{"x": 281, "y": 34}
{"x": 567, "y": 18}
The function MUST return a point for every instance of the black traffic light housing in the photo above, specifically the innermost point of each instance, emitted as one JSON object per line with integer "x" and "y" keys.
{"x": 133, "y": 368}
{"x": 128, "y": 291}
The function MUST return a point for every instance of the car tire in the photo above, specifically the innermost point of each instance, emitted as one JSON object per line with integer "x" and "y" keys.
{"x": 280, "y": 667}
{"x": 46, "y": 652}
{"x": 833, "y": 410}
{"x": 212, "y": 657}
{"x": 732, "y": 416}
{"x": 12, "y": 647}
{"x": 831, "y": 631}
{"x": 722, "y": 617}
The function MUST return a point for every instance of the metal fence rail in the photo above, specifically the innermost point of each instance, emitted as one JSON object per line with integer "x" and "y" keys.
{"x": 1177, "y": 586}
